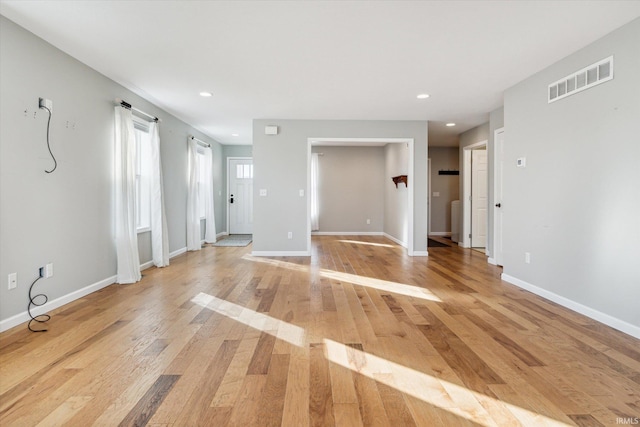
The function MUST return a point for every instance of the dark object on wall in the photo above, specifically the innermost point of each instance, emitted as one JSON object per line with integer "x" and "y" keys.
{"x": 448, "y": 172}
{"x": 400, "y": 178}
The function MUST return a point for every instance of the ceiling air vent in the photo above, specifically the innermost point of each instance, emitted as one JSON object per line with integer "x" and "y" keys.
{"x": 590, "y": 76}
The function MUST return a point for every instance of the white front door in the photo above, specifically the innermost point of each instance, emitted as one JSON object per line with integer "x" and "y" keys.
{"x": 479, "y": 198}
{"x": 240, "y": 200}
{"x": 497, "y": 198}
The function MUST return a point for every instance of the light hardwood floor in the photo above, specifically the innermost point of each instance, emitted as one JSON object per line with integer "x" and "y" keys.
{"x": 357, "y": 334}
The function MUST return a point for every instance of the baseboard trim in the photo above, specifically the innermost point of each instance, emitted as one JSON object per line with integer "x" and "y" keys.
{"x": 492, "y": 261}
{"x": 280, "y": 253}
{"x": 221, "y": 234}
{"x": 607, "y": 319}
{"x": 420, "y": 253}
{"x": 146, "y": 265}
{"x": 440, "y": 233}
{"x": 398, "y": 241}
{"x": 56, "y": 303}
{"x": 347, "y": 233}
{"x": 178, "y": 252}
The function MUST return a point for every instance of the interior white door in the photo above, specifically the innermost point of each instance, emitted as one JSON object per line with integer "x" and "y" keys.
{"x": 479, "y": 198}
{"x": 240, "y": 196}
{"x": 497, "y": 212}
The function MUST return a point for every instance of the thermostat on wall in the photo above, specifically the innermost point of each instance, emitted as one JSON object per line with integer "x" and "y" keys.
{"x": 521, "y": 162}
{"x": 271, "y": 130}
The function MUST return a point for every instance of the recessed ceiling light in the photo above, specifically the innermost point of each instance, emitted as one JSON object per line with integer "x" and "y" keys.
{"x": 423, "y": 96}
{"x": 450, "y": 124}
{"x": 235, "y": 134}
{"x": 206, "y": 94}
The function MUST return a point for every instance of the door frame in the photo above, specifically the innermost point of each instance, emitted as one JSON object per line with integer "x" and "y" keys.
{"x": 226, "y": 201}
{"x": 411, "y": 186}
{"x": 465, "y": 242}
{"x": 498, "y": 190}
{"x": 429, "y": 197}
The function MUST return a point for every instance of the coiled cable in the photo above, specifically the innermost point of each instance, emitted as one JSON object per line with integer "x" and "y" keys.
{"x": 41, "y": 318}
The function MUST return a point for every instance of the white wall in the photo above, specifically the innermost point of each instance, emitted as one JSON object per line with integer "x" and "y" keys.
{"x": 280, "y": 167}
{"x": 351, "y": 189}
{"x": 66, "y": 217}
{"x": 396, "y": 200}
{"x": 575, "y": 207}
{"x": 443, "y": 158}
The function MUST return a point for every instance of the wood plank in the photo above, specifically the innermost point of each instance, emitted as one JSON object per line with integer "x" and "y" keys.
{"x": 320, "y": 394}
{"x": 148, "y": 404}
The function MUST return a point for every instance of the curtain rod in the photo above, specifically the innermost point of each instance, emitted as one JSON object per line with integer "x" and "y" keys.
{"x": 125, "y": 104}
{"x": 206, "y": 144}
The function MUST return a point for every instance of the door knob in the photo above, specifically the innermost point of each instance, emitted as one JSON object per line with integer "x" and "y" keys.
{"x": 498, "y": 205}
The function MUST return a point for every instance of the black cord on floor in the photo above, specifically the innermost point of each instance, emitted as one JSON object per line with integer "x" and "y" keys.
{"x": 41, "y": 318}
{"x": 55, "y": 162}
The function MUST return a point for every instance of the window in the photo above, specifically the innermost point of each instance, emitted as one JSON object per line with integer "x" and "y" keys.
{"x": 201, "y": 183}
{"x": 143, "y": 175}
{"x": 244, "y": 171}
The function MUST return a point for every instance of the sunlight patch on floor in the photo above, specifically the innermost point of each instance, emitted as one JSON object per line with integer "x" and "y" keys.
{"x": 282, "y": 330}
{"x": 383, "y": 245}
{"x": 453, "y": 398}
{"x": 379, "y": 284}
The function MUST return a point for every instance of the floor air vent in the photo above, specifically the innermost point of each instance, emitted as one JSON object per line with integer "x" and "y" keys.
{"x": 590, "y": 76}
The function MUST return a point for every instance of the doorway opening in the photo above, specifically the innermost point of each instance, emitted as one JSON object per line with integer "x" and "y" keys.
{"x": 364, "y": 142}
{"x": 475, "y": 196}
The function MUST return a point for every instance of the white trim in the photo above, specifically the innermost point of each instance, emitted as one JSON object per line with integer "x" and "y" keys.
{"x": 222, "y": 234}
{"x": 226, "y": 199}
{"x": 56, "y": 303}
{"x": 440, "y": 233}
{"x": 146, "y": 265}
{"x": 491, "y": 261}
{"x": 178, "y": 252}
{"x": 465, "y": 241}
{"x": 428, "y": 193}
{"x": 411, "y": 186}
{"x": 494, "y": 252}
{"x": 420, "y": 253}
{"x": 362, "y": 141}
{"x": 280, "y": 253}
{"x": 398, "y": 241}
{"x": 308, "y": 195}
{"x": 347, "y": 233}
{"x": 608, "y": 320}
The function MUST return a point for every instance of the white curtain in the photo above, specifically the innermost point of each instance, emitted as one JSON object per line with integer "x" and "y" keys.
{"x": 315, "y": 206}
{"x": 128, "y": 269}
{"x": 193, "y": 202}
{"x": 209, "y": 213}
{"x": 159, "y": 235}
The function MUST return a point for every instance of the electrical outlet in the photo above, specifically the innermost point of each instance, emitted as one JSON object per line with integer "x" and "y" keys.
{"x": 368, "y": 221}
{"x": 290, "y": 235}
{"x": 45, "y": 103}
{"x": 13, "y": 281}
{"x": 527, "y": 257}
{"x": 46, "y": 271}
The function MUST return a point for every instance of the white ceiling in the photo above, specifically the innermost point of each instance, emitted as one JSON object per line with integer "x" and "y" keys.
{"x": 351, "y": 60}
